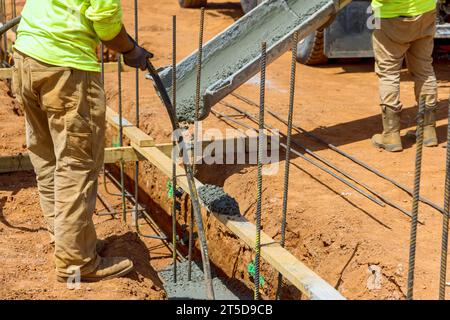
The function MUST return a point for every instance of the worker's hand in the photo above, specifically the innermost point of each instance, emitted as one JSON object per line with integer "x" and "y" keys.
{"x": 137, "y": 57}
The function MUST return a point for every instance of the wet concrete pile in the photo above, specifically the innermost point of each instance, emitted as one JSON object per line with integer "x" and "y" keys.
{"x": 218, "y": 201}
{"x": 184, "y": 289}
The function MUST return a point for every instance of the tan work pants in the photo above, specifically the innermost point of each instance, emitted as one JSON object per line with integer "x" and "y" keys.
{"x": 65, "y": 117}
{"x": 411, "y": 38}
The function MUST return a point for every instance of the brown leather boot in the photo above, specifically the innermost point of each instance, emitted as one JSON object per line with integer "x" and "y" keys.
{"x": 390, "y": 138}
{"x": 109, "y": 268}
{"x": 429, "y": 128}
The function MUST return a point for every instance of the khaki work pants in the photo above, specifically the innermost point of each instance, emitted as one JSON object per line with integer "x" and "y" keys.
{"x": 65, "y": 118}
{"x": 410, "y": 38}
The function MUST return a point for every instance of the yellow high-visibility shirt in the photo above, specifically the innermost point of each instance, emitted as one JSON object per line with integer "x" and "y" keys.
{"x": 398, "y": 8}
{"x": 66, "y": 32}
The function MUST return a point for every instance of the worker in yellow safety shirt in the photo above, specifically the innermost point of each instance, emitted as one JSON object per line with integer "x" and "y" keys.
{"x": 405, "y": 30}
{"x": 57, "y": 79}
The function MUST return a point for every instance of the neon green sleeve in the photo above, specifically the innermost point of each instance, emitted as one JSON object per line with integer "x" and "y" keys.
{"x": 106, "y": 16}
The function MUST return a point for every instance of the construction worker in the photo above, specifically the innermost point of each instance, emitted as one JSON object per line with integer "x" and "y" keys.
{"x": 57, "y": 80}
{"x": 405, "y": 30}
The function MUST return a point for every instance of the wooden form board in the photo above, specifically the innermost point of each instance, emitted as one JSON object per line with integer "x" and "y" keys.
{"x": 112, "y": 155}
{"x": 284, "y": 262}
{"x": 6, "y": 73}
{"x": 136, "y": 136}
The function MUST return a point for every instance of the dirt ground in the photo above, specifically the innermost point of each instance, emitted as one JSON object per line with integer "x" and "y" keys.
{"x": 354, "y": 244}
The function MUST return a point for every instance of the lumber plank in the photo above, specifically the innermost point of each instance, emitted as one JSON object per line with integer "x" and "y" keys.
{"x": 127, "y": 154}
{"x": 22, "y": 162}
{"x": 288, "y": 265}
{"x": 133, "y": 133}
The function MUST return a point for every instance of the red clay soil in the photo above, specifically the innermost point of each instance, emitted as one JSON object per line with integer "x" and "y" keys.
{"x": 354, "y": 244}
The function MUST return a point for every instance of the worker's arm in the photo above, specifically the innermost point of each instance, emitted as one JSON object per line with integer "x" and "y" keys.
{"x": 106, "y": 16}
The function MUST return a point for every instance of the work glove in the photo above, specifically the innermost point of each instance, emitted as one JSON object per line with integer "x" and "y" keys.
{"x": 137, "y": 57}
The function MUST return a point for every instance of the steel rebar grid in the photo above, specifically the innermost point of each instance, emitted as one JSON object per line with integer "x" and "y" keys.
{"x": 122, "y": 164}
{"x": 288, "y": 153}
{"x": 262, "y": 97}
{"x": 326, "y": 162}
{"x": 329, "y": 164}
{"x": 445, "y": 222}
{"x": 174, "y": 146}
{"x": 195, "y": 136}
{"x": 342, "y": 153}
{"x": 416, "y": 195}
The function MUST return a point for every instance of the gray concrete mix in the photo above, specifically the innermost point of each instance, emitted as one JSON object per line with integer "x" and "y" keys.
{"x": 233, "y": 49}
{"x": 194, "y": 289}
{"x": 217, "y": 200}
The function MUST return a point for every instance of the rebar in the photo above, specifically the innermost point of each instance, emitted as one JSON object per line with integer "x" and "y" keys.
{"x": 351, "y": 185}
{"x": 122, "y": 163}
{"x": 416, "y": 195}
{"x": 137, "y": 113}
{"x": 174, "y": 151}
{"x": 329, "y": 164}
{"x": 445, "y": 222}
{"x": 342, "y": 153}
{"x": 195, "y": 136}
{"x": 262, "y": 97}
{"x": 288, "y": 154}
{"x": 189, "y": 177}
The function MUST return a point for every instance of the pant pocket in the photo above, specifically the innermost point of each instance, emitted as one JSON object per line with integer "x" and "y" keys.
{"x": 79, "y": 140}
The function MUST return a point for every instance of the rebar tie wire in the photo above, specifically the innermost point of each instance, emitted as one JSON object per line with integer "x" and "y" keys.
{"x": 445, "y": 222}
{"x": 257, "y": 294}
{"x": 416, "y": 195}
{"x": 288, "y": 152}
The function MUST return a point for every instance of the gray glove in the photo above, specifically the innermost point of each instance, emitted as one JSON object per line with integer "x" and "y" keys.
{"x": 137, "y": 57}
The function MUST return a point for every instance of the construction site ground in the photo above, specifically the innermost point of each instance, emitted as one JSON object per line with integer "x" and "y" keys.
{"x": 355, "y": 245}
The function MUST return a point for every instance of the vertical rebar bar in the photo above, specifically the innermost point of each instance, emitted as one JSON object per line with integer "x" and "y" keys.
{"x": 261, "y": 140}
{"x": 288, "y": 152}
{"x": 136, "y": 164}
{"x": 174, "y": 148}
{"x": 445, "y": 222}
{"x": 416, "y": 195}
{"x": 195, "y": 138}
{"x": 122, "y": 164}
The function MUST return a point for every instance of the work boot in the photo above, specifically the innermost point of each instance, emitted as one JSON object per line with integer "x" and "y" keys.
{"x": 390, "y": 138}
{"x": 429, "y": 128}
{"x": 99, "y": 246}
{"x": 109, "y": 268}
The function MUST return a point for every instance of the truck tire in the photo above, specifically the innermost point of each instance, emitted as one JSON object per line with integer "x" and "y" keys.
{"x": 192, "y": 3}
{"x": 311, "y": 50}
{"x": 248, "y": 5}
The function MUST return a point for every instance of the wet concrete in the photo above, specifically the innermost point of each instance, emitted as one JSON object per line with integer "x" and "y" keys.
{"x": 217, "y": 200}
{"x": 194, "y": 289}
